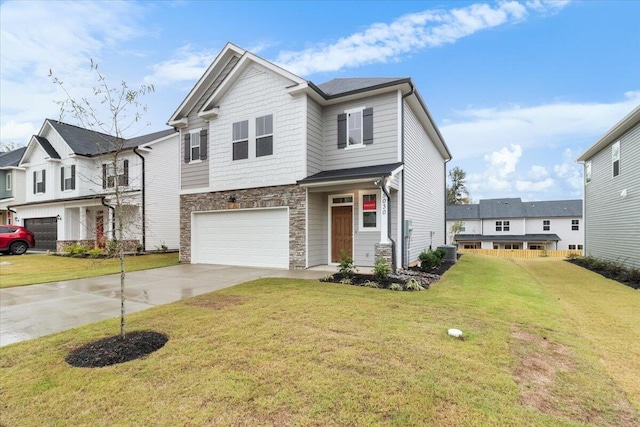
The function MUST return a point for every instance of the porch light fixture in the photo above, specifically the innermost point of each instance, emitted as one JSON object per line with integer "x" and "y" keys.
{"x": 231, "y": 199}
{"x": 59, "y": 217}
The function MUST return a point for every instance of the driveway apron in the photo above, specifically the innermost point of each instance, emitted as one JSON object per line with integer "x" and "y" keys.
{"x": 28, "y": 312}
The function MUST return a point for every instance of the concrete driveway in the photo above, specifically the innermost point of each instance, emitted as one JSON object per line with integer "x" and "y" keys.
{"x": 28, "y": 312}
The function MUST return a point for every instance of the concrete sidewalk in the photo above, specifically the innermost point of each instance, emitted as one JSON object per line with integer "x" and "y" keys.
{"x": 28, "y": 312}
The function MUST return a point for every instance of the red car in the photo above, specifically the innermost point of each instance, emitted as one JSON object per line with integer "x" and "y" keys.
{"x": 15, "y": 239}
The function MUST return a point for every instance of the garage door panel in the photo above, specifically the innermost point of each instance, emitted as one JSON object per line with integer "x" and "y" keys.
{"x": 255, "y": 237}
{"x": 45, "y": 231}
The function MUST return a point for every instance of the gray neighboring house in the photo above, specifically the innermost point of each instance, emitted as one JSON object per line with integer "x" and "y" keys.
{"x": 510, "y": 223}
{"x": 11, "y": 183}
{"x": 612, "y": 193}
{"x": 279, "y": 172}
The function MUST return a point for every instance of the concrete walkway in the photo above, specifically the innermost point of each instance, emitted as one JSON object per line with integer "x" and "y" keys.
{"x": 28, "y": 312}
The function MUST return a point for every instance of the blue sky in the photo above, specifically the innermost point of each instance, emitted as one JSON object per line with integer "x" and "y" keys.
{"x": 519, "y": 89}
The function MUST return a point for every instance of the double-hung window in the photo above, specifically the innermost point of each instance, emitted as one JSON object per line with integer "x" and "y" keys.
{"x": 615, "y": 158}
{"x": 546, "y": 225}
{"x": 115, "y": 174}
{"x": 369, "y": 214}
{"x": 240, "y": 140}
{"x": 264, "y": 136}
{"x": 354, "y": 127}
{"x": 587, "y": 172}
{"x": 39, "y": 180}
{"x": 68, "y": 178}
{"x": 194, "y": 141}
{"x": 502, "y": 225}
{"x": 575, "y": 225}
{"x": 8, "y": 181}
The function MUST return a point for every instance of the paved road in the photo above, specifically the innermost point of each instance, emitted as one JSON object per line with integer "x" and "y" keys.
{"x": 28, "y": 312}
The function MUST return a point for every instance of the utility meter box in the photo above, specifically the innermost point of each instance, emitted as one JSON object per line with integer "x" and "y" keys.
{"x": 408, "y": 227}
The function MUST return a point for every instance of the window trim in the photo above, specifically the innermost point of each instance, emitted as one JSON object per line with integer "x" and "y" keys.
{"x": 615, "y": 158}
{"x": 265, "y": 135}
{"x": 112, "y": 175}
{"x": 349, "y": 112}
{"x": 7, "y": 181}
{"x": 587, "y": 172}
{"x": 547, "y": 226}
{"x": 361, "y": 210}
{"x": 191, "y": 146}
{"x": 238, "y": 141}
{"x": 575, "y": 225}
{"x": 40, "y": 179}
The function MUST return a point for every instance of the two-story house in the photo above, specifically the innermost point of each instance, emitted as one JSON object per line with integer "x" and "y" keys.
{"x": 612, "y": 193}
{"x": 279, "y": 172}
{"x": 11, "y": 183}
{"x": 71, "y": 181}
{"x": 510, "y": 223}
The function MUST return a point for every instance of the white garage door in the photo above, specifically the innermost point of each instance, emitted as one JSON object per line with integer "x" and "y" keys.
{"x": 254, "y": 237}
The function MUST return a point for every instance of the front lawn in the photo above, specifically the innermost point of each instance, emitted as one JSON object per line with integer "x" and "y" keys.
{"x": 35, "y": 268}
{"x": 540, "y": 341}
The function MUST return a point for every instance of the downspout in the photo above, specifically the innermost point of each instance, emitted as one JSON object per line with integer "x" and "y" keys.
{"x": 383, "y": 187}
{"x": 405, "y": 262}
{"x": 445, "y": 201}
{"x": 113, "y": 218}
{"x": 144, "y": 216}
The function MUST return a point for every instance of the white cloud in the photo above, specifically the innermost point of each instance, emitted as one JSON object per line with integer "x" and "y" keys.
{"x": 538, "y": 172}
{"x": 503, "y": 162}
{"x": 473, "y": 132}
{"x": 569, "y": 171}
{"x": 537, "y": 186}
{"x": 382, "y": 42}
{"x": 187, "y": 64}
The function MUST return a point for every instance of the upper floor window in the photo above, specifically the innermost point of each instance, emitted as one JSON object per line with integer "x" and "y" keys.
{"x": 264, "y": 136}
{"x": 355, "y": 127}
{"x": 240, "y": 140}
{"x": 463, "y": 226}
{"x": 115, "y": 174}
{"x": 194, "y": 144}
{"x": 615, "y": 158}
{"x": 68, "y": 178}
{"x": 587, "y": 172}
{"x": 575, "y": 225}
{"x": 503, "y": 225}
{"x": 39, "y": 181}
{"x": 546, "y": 225}
{"x": 8, "y": 181}
{"x": 369, "y": 214}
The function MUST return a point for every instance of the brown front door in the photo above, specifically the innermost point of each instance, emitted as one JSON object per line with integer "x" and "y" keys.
{"x": 341, "y": 231}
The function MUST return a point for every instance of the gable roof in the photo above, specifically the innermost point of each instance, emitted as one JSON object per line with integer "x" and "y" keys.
{"x": 47, "y": 147}
{"x": 363, "y": 172}
{"x": 515, "y": 208}
{"x": 11, "y": 158}
{"x": 629, "y": 121}
{"x": 85, "y": 142}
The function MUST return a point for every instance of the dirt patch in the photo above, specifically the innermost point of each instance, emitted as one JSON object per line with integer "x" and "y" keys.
{"x": 115, "y": 349}
{"x": 216, "y": 302}
{"x": 540, "y": 361}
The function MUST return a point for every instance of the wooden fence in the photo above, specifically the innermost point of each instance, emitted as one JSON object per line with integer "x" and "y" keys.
{"x": 520, "y": 253}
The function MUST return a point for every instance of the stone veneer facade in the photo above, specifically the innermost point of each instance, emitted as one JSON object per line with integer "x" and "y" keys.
{"x": 291, "y": 196}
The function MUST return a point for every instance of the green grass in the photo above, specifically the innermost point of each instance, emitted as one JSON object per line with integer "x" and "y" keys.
{"x": 295, "y": 352}
{"x": 30, "y": 269}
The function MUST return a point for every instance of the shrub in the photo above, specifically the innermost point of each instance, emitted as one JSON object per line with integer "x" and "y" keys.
{"x": 139, "y": 248}
{"x": 395, "y": 287}
{"x": 381, "y": 270}
{"x": 430, "y": 259}
{"x": 440, "y": 253}
{"x": 95, "y": 253}
{"x": 111, "y": 247}
{"x": 345, "y": 281}
{"x": 327, "y": 278}
{"x": 371, "y": 284}
{"x": 162, "y": 248}
{"x": 413, "y": 285}
{"x": 346, "y": 266}
{"x": 76, "y": 251}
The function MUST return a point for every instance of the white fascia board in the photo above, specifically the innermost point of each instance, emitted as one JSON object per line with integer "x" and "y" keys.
{"x": 630, "y": 120}
{"x": 209, "y": 114}
{"x": 341, "y": 182}
{"x": 179, "y": 123}
{"x": 146, "y": 146}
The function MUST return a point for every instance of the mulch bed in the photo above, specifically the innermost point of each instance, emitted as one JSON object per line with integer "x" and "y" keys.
{"x": 425, "y": 278}
{"x": 617, "y": 275}
{"x": 115, "y": 349}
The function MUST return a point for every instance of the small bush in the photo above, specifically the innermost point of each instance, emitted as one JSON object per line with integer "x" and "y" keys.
{"x": 440, "y": 253}
{"x": 162, "y": 248}
{"x": 139, "y": 248}
{"x": 574, "y": 255}
{"x": 395, "y": 287}
{"x": 431, "y": 259}
{"x": 111, "y": 247}
{"x": 327, "y": 278}
{"x": 381, "y": 270}
{"x": 413, "y": 285}
{"x": 371, "y": 284}
{"x": 95, "y": 253}
{"x": 76, "y": 251}
{"x": 346, "y": 265}
{"x": 345, "y": 281}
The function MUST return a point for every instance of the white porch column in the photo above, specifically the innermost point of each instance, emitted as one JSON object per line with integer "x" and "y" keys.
{"x": 384, "y": 218}
{"x": 83, "y": 223}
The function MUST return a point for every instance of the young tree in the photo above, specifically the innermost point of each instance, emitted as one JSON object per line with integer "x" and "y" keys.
{"x": 457, "y": 193}
{"x": 455, "y": 228}
{"x": 111, "y": 113}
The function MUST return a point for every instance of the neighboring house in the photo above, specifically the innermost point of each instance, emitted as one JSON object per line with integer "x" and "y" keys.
{"x": 279, "y": 172}
{"x": 70, "y": 182}
{"x": 612, "y": 193}
{"x": 11, "y": 183}
{"x": 513, "y": 224}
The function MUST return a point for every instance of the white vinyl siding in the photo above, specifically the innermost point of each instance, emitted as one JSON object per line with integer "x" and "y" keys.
{"x": 317, "y": 229}
{"x": 424, "y": 187}
{"x": 253, "y": 237}
{"x": 314, "y": 137}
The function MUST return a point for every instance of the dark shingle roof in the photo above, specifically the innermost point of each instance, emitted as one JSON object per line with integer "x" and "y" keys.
{"x": 46, "y": 145}
{"x": 508, "y": 238}
{"x": 352, "y": 173}
{"x": 338, "y": 87}
{"x": 85, "y": 142}
{"x": 11, "y": 158}
{"x": 515, "y": 208}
